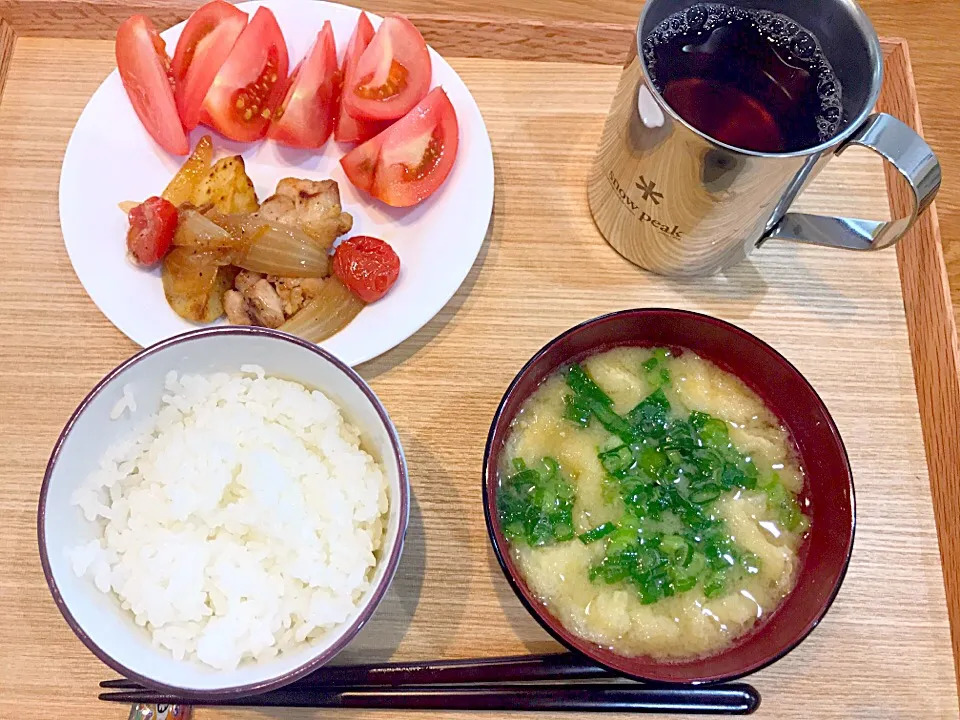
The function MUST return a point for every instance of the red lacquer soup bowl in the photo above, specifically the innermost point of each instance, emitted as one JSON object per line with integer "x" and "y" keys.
{"x": 824, "y": 553}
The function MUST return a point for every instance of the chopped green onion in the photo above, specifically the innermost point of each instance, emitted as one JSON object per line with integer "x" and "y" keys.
{"x": 780, "y": 501}
{"x": 765, "y": 481}
{"x": 576, "y": 411}
{"x": 715, "y": 585}
{"x": 618, "y": 460}
{"x": 684, "y": 583}
{"x": 598, "y": 533}
{"x": 705, "y": 493}
{"x": 712, "y": 432}
{"x": 668, "y": 472}
{"x": 611, "y": 421}
{"x": 536, "y": 506}
{"x": 652, "y": 462}
{"x": 750, "y": 562}
{"x": 650, "y": 416}
{"x": 583, "y": 385}
{"x": 679, "y": 550}
{"x": 588, "y": 400}
{"x": 655, "y": 370}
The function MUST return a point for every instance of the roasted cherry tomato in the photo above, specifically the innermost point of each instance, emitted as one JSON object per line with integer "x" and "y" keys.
{"x": 366, "y": 265}
{"x": 392, "y": 75}
{"x": 409, "y": 160}
{"x": 145, "y": 71}
{"x": 251, "y": 83}
{"x": 204, "y": 45}
{"x": 349, "y": 128}
{"x": 152, "y": 226}
{"x": 305, "y": 117}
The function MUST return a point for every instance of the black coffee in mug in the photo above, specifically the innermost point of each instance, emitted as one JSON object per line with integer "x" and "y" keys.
{"x": 753, "y": 79}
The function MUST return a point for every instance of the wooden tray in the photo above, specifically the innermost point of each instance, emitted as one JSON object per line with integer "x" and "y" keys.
{"x": 850, "y": 322}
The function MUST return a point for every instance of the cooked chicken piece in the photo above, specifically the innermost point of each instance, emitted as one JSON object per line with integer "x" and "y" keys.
{"x": 254, "y": 302}
{"x": 267, "y": 308}
{"x": 236, "y": 307}
{"x": 311, "y": 205}
{"x": 295, "y": 292}
{"x": 246, "y": 279}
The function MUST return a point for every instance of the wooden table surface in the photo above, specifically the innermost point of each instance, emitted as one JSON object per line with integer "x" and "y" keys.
{"x": 923, "y": 23}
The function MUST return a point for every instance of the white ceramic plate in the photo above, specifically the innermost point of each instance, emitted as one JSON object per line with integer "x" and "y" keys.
{"x": 111, "y": 158}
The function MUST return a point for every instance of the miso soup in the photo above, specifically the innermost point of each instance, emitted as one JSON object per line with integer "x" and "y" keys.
{"x": 651, "y": 502}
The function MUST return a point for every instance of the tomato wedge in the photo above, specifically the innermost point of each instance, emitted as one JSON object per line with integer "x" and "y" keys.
{"x": 145, "y": 71}
{"x": 348, "y": 128}
{"x": 251, "y": 83}
{"x": 392, "y": 75}
{"x": 409, "y": 160}
{"x": 305, "y": 118}
{"x": 204, "y": 45}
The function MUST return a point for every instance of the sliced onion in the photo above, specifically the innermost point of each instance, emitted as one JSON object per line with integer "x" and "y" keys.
{"x": 196, "y": 231}
{"x": 329, "y": 312}
{"x": 284, "y": 250}
{"x": 237, "y": 225}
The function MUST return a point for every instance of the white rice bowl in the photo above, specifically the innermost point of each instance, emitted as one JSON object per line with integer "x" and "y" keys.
{"x": 233, "y": 531}
{"x": 240, "y": 522}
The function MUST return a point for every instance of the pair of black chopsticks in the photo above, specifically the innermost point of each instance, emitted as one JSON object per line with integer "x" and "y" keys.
{"x": 480, "y": 684}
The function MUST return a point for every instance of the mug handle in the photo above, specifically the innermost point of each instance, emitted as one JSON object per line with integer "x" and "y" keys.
{"x": 903, "y": 148}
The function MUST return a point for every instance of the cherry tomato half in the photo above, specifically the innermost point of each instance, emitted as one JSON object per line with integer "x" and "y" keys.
{"x": 366, "y": 265}
{"x": 152, "y": 226}
{"x": 251, "y": 83}
{"x": 204, "y": 45}
{"x": 145, "y": 72}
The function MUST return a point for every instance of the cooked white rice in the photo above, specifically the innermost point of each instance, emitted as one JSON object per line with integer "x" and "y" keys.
{"x": 241, "y": 521}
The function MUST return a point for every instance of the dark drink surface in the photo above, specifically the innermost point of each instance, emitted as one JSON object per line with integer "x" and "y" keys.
{"x": 753, "y": 79}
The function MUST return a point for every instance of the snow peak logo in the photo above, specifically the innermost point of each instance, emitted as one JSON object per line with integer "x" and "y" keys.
{"x": 647, "y": 192}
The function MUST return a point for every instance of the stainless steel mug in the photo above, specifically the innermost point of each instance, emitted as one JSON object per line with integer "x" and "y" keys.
{"x": 678, "y": 202}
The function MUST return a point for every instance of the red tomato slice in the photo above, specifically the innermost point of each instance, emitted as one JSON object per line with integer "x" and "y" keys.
{"x": 152, "y": 225}
{"x": 204, "y": 45}
{"x": 409, "y": 160}
{"x": 145, "y": 71}
{"x": 251, "y": 83}
{"x": 392, "y": 75}
{"x": 305, "y": 118}
{"x": 367, "y": 266}
{"x": 349, "y": 129}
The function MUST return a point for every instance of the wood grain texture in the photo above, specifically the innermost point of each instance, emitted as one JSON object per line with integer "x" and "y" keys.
{"x": 920, "y": 22}
{"x": 933, "y": 340}
{"x": 466, "y": 33}
{"x": 883, "y": 651}
{"x": 8, "y": 39}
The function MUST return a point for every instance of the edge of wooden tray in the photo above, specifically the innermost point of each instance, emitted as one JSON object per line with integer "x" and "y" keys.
{"x": 8, "y": 38}
{"x": 923, "y": 275}
{"x": 931, "y": 326}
